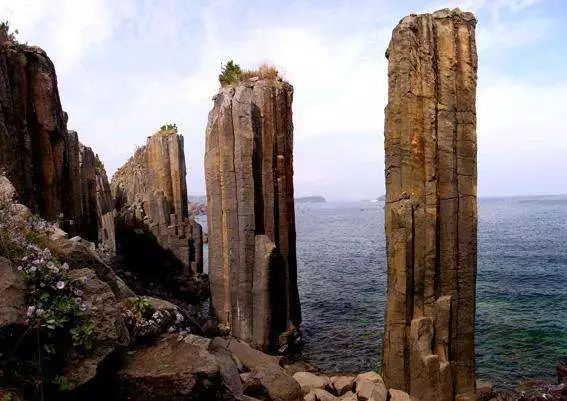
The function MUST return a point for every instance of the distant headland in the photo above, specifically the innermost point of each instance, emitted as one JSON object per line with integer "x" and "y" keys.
{"x": 310, "y": 199}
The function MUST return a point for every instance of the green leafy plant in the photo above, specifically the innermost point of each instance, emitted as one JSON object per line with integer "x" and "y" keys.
{"x": 168, "y": 129}
{"x": 83, "y": 335}
{"x": 230, "y": 73}
{"x": 6, "y": 396}
{"x": 142, "y": 307}
{"x": 99, "y": 166}
{"x": 62, "y": 383}
{"x": 5, "y": 33}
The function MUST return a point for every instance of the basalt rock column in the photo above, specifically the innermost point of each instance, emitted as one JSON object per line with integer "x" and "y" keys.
{"x": 151, "y": 195}
{"x": 431, "y": 212}
{"x": 51, "y": 171}
{"x": 251, "y": 217}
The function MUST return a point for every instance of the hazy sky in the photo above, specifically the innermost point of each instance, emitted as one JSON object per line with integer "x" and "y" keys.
{"x": 127, "y": 66}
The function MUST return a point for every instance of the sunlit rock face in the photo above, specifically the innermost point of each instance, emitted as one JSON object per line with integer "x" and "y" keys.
{"x": 250, "y": 210}
{"x": 151, "y": 196}
{"x": 431, "y": 207}
{"x": 52, "y": 172}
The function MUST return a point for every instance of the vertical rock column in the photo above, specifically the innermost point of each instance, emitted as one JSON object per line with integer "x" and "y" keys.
{"x": 151, "y": 193}
{"x": 251, "y": 217}
{"x": 431, "y": 212}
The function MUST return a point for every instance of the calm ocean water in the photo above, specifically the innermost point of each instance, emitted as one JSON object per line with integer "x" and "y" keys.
{"x": 521, "y": 289}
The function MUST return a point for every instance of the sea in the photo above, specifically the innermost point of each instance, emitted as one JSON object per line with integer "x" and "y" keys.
{"x": 521, "y": 320}
{"x": 521, "y": 311}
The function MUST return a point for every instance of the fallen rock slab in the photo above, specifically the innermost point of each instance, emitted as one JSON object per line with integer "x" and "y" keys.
{"x": 371, "y": 387}
{"x": 170, "y": 370}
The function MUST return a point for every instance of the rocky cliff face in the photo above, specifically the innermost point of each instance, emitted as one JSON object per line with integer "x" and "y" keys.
{"x": 151, "y": 195}
{"x": 251, "y": 222}
{"x": 53, "y": 173}
{"x": 431, "y": 212}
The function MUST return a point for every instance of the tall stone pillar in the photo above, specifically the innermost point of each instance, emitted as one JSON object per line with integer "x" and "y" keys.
{"x": 251, "y": 218}
{"x": 431, "y": 207}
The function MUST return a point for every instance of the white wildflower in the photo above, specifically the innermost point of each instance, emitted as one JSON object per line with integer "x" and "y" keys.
{"x": 65, "y": 266}
{"x": 60, "y": 285}
{"x": 31, "y": 311}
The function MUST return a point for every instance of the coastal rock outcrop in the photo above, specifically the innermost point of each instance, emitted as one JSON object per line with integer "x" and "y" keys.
{"x": 52, "y": 172}
{"x": 431, "y": 207}
{"x": 250, "y": 211}
{"x": 151, "y": 198}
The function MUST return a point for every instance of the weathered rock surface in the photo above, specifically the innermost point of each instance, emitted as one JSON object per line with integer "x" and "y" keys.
{"x": 109, "y": 332}
{"x": 370, "y": 387}
{"x": 398, "y": 395}
{"x": 342, "y": 384}
{"x": 12, "y": 294}
{"x": 248, "y": 356}
{"x": 431, "y": 211}
{"x": 170, "y": 370}
{"x": 319, "y": 395}
{"x": 272, "y": 382}
{"x": 52, "y": 172}
{"x": 250, "y": 211}
{"x": 151, "y": 196}
{"x": 309, "y": 381}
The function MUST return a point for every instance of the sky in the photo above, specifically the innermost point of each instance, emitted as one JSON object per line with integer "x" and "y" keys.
{"x": 125, "y": 67}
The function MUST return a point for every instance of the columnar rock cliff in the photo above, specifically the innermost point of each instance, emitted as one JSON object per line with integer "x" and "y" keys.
{"x": 53, "y": 173}
{"x": 151, "y": 194}
{"x": 251, "y": 220}
{"x": 431, "y": 211}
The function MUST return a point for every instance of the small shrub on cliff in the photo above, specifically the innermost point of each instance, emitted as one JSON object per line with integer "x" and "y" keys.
{"x": 99, "y": 166}
{"x": 230, "y": 73}
{"x": 5, "y": 34}
{"x": 168, "y": 129}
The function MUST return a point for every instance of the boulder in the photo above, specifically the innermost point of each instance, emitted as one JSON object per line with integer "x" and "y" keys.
{"x": 398, "y": 395}
{"x": 12, "y": 294}
{"x": 248, "y": 356}
{"x": 342, "y": 384}
{"x": 371, "y": 387}
{"x": 229, "y": 371}
{"x": 110, "y": 331}
{"x": 561, "y": 370}
{"x": 147, "y": 317}
{"x": 170, "y": 370}
{"x": 7, "y": 190}
{"x": 483, "y": 391}
{"x": 319, "y": 395}
{"x": 309, "y": 381}
{"x": 78, "y": 254}
{"x": 300, "y": 366}
{"x": 271, "y": 381}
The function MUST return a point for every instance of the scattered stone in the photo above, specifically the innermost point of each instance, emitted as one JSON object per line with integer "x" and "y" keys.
{"x": 348, "y": 396}
{"x": 342, "y": 384}
{"x": 300, "y": 366}
{"x": 309, "y": 381}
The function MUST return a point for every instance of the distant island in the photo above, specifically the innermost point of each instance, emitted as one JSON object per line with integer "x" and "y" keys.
{"x": 381, "y": 198}
{"x": 311, "y": 199}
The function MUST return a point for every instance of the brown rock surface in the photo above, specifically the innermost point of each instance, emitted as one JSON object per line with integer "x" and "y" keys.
{"x": 431, "y": 216}
{"x": 250, "y": 211}
{"x": 170, "y": 370}
{"x": 272, "y": 381}
{"x": 151, "y": 195}
{"x": 51, "y": 171}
